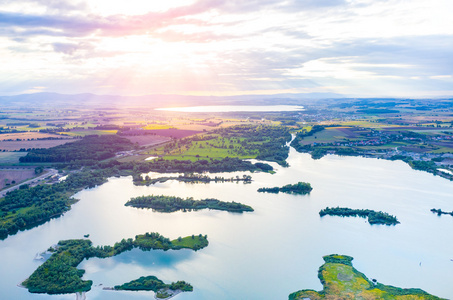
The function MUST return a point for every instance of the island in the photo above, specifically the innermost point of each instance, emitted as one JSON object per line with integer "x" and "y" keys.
{"x": 341, "y": 280}
{"x": 59, "y": 274}
{"x": 170, "y": 204}
{"x": 190, "y": 178}
{"x": 440, "y": 212}
{"x": 374, "y": 217}
{"x": 300, "y": 188}
{"x": 152, "y": 283}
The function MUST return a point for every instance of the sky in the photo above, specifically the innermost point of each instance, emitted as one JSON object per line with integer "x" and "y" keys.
{"x": 366, "y": 48}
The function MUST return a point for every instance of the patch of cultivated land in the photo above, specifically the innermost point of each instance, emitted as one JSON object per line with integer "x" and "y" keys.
{"x": 14, "y": 175}
{"x": 174, "y": 133}
{"x": 28, "y": 135}
{"x": 148, "y": 140}
{"x": 17, "y": 145}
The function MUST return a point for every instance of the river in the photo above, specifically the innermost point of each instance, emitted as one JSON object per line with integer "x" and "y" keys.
{"x": 265, "y": 254}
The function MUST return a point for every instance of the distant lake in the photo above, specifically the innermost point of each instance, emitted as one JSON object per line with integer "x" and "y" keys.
{"x": 235, "y": 108}
{"x": 265, "y": 254}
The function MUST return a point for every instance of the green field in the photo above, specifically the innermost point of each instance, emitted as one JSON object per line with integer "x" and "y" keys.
{"x": 217, "y": 148}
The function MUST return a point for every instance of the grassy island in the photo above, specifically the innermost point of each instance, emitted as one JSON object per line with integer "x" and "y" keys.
{"x": 300, "y": 188}
{"x": 152, "y": 283}
{"x": 374, "y": 217}
{"x": 342, "y": 281}
{"x": 172, "y": 204}
{"x": 440, "y": 212}
{"x": 59, "y": 274}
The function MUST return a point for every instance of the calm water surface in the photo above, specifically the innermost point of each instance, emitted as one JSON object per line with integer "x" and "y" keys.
{"x": 235, "y": 108}
{"x": 266, "y": 254}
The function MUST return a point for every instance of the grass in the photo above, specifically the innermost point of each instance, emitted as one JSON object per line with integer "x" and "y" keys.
{"x": 217, "y": 148}
{"x": 189, "y": 242}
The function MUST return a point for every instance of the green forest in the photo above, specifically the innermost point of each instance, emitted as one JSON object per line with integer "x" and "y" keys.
{"x": 87, "y": 151}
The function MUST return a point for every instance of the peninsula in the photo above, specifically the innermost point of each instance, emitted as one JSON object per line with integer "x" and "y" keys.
{"x": 59, "y": 274}
{"x": 342, "y": 281}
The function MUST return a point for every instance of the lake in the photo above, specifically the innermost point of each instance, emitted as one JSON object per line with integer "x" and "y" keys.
{"x": 235, "y": 108}
{"x": 265, "y": 254}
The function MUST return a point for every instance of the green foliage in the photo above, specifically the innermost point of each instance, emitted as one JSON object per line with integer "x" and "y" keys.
{"x": 374, "y": 217}
{"x": 59, "y": 275}
{"x": 300, "y": 188}
{"x": 87, "y": 151}
{"x": 172, "y": 204}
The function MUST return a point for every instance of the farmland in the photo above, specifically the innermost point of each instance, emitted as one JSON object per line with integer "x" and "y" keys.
{"x": 11, "y": 176}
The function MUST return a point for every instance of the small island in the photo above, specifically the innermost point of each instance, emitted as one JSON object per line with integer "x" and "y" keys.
{"x": 152, "y": 283}
{"x": 374, "y": 217}
{"x": 341, "y": 280}
{"x": 170, "y": 204}
{"x": 300, "y": 188}
{"x": 59, "y": 274}
{"x": 440, "y": 212}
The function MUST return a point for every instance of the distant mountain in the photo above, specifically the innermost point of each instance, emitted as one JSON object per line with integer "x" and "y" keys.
{"x": 92, "y": 100}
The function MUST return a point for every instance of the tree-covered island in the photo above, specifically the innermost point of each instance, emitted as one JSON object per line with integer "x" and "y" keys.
{"x": 192, "y": 178}
{"x": 440, "y": 212}
{"x": 169, "y": 204}
{"x": 374, "y": 217}
{"x": 341, "y": 280}
{"x": 152, "y": 283}
{"x": 59, "y": 274}
{"x": 300, "y": 188}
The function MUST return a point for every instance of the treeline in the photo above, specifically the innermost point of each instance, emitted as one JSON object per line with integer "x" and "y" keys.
{"x": 227, "y": 164}
{"x": 152, "y": 283}
{"x": 172, "y": 204}
{"x": 29, "y": 206}
{"x": 59, "y": 274}
{"x": 300, "y": 188}
{"x": 87, "y": 151}
{"x": 374, "y": 217}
